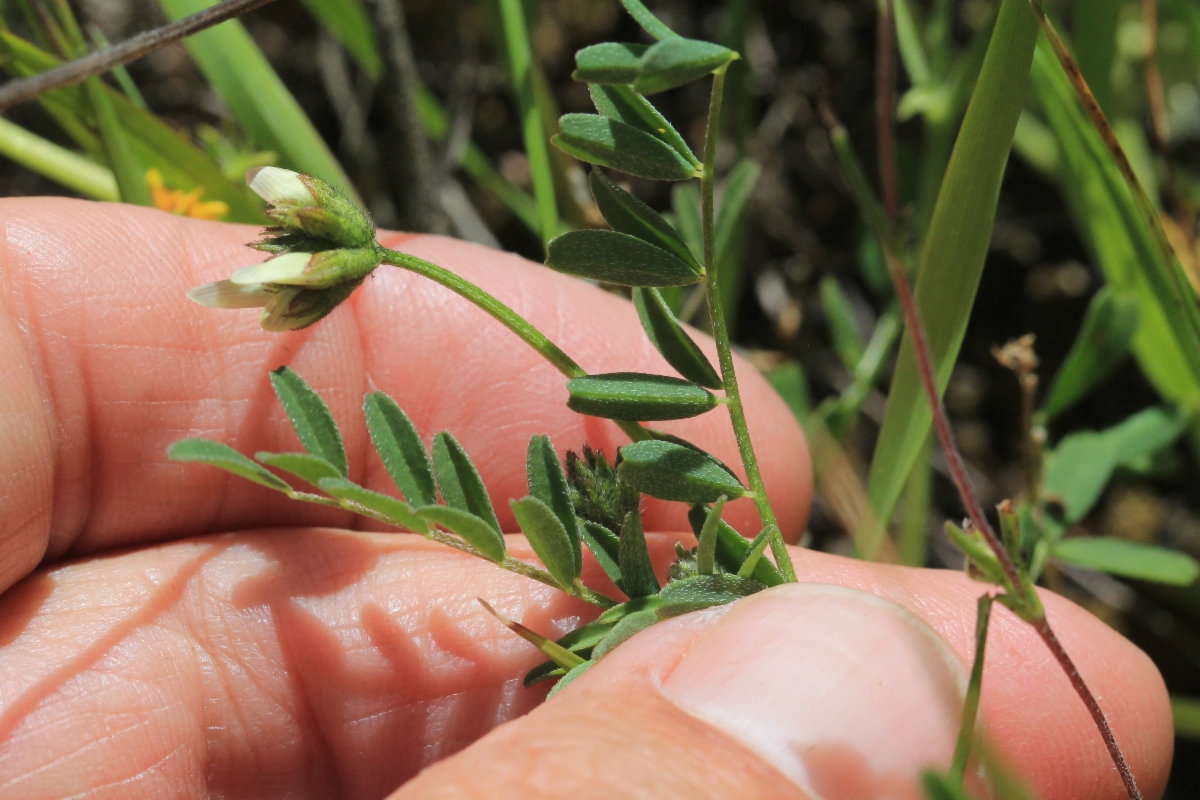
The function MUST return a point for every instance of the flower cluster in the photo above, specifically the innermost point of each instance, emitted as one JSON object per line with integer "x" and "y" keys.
{"x": 322, "y": 248}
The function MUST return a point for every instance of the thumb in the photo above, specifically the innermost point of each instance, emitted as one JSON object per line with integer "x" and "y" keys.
{"x": 809, "y": 690}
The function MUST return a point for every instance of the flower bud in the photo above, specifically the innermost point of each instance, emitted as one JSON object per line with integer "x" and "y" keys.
{"x": 302, "y": 204}
{"x": 313, "y": 270}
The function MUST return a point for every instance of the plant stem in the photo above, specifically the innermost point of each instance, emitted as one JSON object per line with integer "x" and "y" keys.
{"x": 507, "y": 317}
{"x": 57, "y": 163}
{"x": 885, "y": 111}
{"x": 721, "y": 333}
{"x": 966, "y": 731}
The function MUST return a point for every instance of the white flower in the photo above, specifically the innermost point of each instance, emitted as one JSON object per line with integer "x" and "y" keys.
{"x": 227, "y": 294}
{"x": 288, "y": 268}
{"x": 280, "y": 187}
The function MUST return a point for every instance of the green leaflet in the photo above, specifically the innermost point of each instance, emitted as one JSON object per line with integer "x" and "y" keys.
{"x": 670, "y": 339}
{"x": 636, "y": 396}
{"x": 548, "y": 483}
{"x": 349, "y": 23}
{"x": 609, "y": 62}
{"x": 704, "y": 591}
{"x": 706, "y": 549}
{"x": 475, "y": 531}
{"x": 1103, "y": 340}
{"x": 395, "y": 511}
{"x": 626, "y": 214}
{"x": 623, "y": 104}
{"x": 676, "y": 61}
{"x": 310, "y": 417}
{"x": 461, "y": 486}
{"x": 400, "y": 448}
{"x": 605, "y": 546}
{"x": 303, "y": 466}
{"x": 548, "y": 538}
{"x": 611, "y": 143}
{"x": 215, "y": 454}
{"x": 952, "y": 260}
{"x": 671, "y": 471}
{"x": 612, "y": 257}
{"x": 637, "y": 573}
{"x": 1128, "y": 559}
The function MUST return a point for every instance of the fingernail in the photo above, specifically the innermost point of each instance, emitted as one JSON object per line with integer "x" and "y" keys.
{"x": 847, "y": 694}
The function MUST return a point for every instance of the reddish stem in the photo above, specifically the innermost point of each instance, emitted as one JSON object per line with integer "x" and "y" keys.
{"x": 885, "y": 105}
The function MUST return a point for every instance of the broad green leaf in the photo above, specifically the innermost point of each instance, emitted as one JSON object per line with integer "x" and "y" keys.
{"x": 650, "y": 23}
{"x": 394, "y": 510}
{"x": 1128, "y": 559}
{"x": 475, "y": 531}
{"x": 848, "y": 340}
{"x": 623, "y": 104}
{"x": 310, "y": 417}
{"x": 350, "y": 24}
{"x": 605, "y": 546}
{"x": 611, "y": 143}
{"x": 676, "y": 61}
{"x": 609, "y": 62}
{"x": 626, "y": 214}
{"x": 547, "y": 483}
{"x": 222, "y": 456}
{"x": 670, "y": 471}
{"x": 670, "y": 339}
{"x": 613, "y": 257}
{"x": 303, "y": 466}
{"x": 400, "y": 448}
{"x": 633, "y": 395}
{"x": 461, "y": 486}
{"x": 547, "y": 537}
{"x": 637, "y": 573}
{"x": 952, "y": 259}
{"x": 703, "y": 591}
{"x": 706, "y": 549}
{"x": 733, "y": 548}
{"x": 570, "y": 678}
{"x": 1103, "y": 340}
{"x": 257, "y": 98}
{"x": 625, "y": 629}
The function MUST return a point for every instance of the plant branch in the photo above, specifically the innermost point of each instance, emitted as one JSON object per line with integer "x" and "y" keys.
{"x": 720, "y": 332}
{"x": 131, "y": 49}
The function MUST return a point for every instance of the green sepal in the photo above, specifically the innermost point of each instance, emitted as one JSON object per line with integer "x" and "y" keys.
{"x": 637, "y": 573}
{"x": 612, "y": 257}
{"x": 310, "y": 417}
{"x": 671, "y": 471}
{"x": 302, "y": 465}
{"x": 394, "y": 510}
{"x": 570, "y": 677}
{"x": 548, "y": 483}
{"x": 400, "y": 448}
{"x": 623, "y": 104}
{"x": 706, "y": 549}
{"x": 678, "y": 61}
{"x": 610, "y": 143}
{"x": 609, "y": 62}
{"x": 626, "y": 214}
{"x": 672, "y": 341}
{"x": 222, "y": 456}
{"x": 459, "y": 480}
{"x": 637, "y": 396}
{"x": 474, "y": 530}
{"x": 605, "y": 546}
{"x": 548, "y": 538}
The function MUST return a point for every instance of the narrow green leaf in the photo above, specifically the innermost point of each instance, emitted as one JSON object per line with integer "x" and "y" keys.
{"x": 650, "y": 23}
{"x": 306, "y": 467}
{"x": 1128, "y": 559}
{"x": 733, "y": 549}
{"x": 551, "y": 649}
{"x": 545, "y": 671}
{"x": 475, "y": 531}
{"x": 626, "y": 214}
{"x": 848, "y": 340}
{"x": 349, "y": 23}
{"x": 791, "y": 383}
{"x": 705, "y": 591}
{"x": 585, "y": 637}
{"x": 222, "y": 456}
{"x": 637, "y": 573}
{"x": 548, "y": 483}
{"x": 611, "y": 143}
{"x": 570, "y": 678}
{"x": 735, "y": 196}
{"x": 63, "y": 166}
{"x": 676, "y": 61}
{"x": 625, "y": 629}
{"x": 670, "y": 471}
{"x": 623, "y": 104}
{"x": 612, "y": 616}
{"x": 939, "y": 787}
{"x": 400, "y": 448}
{"x": 633, "y": 395}
{"x": 953, "y": 255}
{"x": 612, "y": 257}
{"x": 609, "y": 62}
{"x": 1103, "y": 340}
{"x": 547, "y": 537}
{"x": 128, "y": 171}
{"x": 670, "y": 339}
{"x": 605, "y": 546}
{"x": 394, "y": 510}
{"x": 310, "y": 417}
{"x": 706, "y": 550}
{"x": 755, "y": 554}
{"x": 459, "y": 480}
{"x": 685, "y": 203}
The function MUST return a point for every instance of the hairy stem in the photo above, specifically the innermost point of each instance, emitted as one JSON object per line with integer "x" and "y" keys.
{"x": 721, "y": 334}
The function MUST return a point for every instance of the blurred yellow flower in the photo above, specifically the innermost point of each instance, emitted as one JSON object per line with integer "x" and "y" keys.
{"x": 185, "y": 204}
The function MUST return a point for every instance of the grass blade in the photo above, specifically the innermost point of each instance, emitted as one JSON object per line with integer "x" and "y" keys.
{"x": 347, "y": 20}
{"x": 59, "y": 164}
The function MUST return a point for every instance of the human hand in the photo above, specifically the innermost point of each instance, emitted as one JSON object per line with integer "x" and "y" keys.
{"x": 188, "y": 654}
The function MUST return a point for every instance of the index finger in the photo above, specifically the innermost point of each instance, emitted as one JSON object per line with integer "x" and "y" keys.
{"x": 106, "y": 363}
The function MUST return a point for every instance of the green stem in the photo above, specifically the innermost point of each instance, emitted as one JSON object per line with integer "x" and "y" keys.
{"x": 966, "y": 732}
{"x": 721, "y": 334}
{"x": 57, "y": 163}
{"x": 507, "y": 317}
